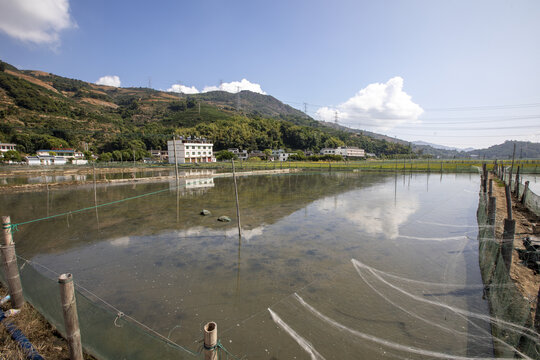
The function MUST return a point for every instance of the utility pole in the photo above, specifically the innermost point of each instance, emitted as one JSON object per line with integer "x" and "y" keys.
{"x": 238, "y": 98}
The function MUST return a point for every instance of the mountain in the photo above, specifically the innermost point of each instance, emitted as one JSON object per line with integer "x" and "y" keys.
{"x": 524, "y": 150}
{"x": 440, "y": 147}
{"x": 40, "y": 110}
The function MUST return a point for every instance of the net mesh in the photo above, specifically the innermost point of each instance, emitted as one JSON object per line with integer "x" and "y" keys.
{"x": 511, "y": 313}
{"x": 105, "y": 334}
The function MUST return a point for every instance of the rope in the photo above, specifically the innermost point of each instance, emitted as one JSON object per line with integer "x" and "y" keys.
{"x": 15, "y": 227}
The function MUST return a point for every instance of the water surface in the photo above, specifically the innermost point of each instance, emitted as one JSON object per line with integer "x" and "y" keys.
{"x": 332, "y": 265}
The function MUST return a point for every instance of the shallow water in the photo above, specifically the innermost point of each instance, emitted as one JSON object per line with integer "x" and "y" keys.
{"x": 332, "y": 265}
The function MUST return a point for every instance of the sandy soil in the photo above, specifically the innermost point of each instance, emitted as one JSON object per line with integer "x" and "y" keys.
{"x": 525, "y": 279}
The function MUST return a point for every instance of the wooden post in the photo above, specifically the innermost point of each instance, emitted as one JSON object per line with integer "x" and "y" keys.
{"x": 524, "y": 197}
{"x": 537, "y": 316}
{"x": 516, "y": 181}
{"x": 508, "y": 202}
{"x": 71, "y": 319}
{"x": 492, "y": 209}
{"x": 210, "y": 341}
{"x": 512, "y": 166}
{"x": 490, "y": 188}
{"x": 237, "y": 204}
{"x": 175, "y": 159}
{"x": 10, "y": 265}
{"x": 507, "y": 245}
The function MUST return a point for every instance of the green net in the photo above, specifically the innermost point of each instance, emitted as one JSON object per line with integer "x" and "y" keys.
{"x": 510, "y": 311}
{"x": 105, "y": 333}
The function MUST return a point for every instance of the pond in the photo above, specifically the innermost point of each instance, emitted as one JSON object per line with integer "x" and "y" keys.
{"x": 330, "y": 265}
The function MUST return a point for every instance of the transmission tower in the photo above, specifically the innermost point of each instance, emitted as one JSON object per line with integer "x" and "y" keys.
{"x": 336, "y": 116}
{"x": 305, "y": 108}
{"x": 238, "y": 98}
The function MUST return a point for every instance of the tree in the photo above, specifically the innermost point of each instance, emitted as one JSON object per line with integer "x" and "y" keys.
{"x": 11, "y": 155}
{"x": 268, "y": 153}
{"x": 225, "y": 155}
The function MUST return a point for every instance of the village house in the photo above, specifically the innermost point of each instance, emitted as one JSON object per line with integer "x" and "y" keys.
{"x": 242, "y": 154}
{"x": 5, "y": 147}
{"x": 190, "y": 150}
{"x": 345, "y": 151}
{"x": 45, "y": 160}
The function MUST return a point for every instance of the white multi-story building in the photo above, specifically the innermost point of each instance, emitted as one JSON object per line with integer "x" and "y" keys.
{"x": 242, "y": 154}
{"x": 190, "y": 151}
{"x": 281, "y": 155}
{"x": 4, "y": 147}
{"x": 65, "y": 153}
{"x": 345, "y": 151}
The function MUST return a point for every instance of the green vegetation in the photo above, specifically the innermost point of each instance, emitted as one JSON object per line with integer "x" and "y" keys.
{"x": 117, "y": 122}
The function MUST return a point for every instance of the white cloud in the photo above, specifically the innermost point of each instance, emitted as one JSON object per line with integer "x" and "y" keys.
{"x": 378, "y": 212}
{"x": 236, "y": 86}
{"x": 378, "y": 105}
{"x": 179, "y": 88}
{"x": 109, "y": 80}
{"x": 35, "y": 21}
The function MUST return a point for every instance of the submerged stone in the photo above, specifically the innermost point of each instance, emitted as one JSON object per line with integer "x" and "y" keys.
{"x": 224, "y": 218}
{"x": 205, "y": 212}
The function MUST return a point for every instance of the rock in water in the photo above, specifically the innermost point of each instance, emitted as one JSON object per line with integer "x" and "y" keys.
{"x": 224, "y": 218}
{"x": 205, "y": 212}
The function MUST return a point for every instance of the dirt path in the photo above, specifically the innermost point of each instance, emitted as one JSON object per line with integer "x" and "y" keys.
{"x": 525, "y": 279}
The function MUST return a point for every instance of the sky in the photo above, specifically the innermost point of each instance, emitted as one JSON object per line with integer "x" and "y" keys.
{"x": 456, "y": 73}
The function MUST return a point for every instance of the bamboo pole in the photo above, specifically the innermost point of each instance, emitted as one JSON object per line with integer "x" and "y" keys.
{"x": 524, "y": 197}
{"x": 175, "y": 159}
{"x": 507, "y": 245}
{"x": 210, "y": 341}
{"x": 492, "y": 208}
{"x": 10, "y": 265}
{"x": 71, "y": 319}
{"x": 508, "y": 202}
{"x": 516, "y": 185}
{"x": 237, "y": 204}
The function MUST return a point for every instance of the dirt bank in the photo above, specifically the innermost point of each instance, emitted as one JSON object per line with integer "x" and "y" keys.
{"x": 527, "y": 282}
{"x": 41, "y": 334}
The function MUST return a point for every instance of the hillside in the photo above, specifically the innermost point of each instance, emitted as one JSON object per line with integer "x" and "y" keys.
{"x": 43, "y": 110}
{"x": 524, "y": 150}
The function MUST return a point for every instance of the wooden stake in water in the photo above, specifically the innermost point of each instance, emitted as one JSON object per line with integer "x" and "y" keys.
{"x": 237, "y": 204}
{"x": 210, "y": 341}
{"x": 175, "y": 160}
{"x": 10, "y": 265}
{"x": 71, "y": 319}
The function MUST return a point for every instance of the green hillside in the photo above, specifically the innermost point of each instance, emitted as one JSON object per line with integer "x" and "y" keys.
{"x": 42, "y": 110}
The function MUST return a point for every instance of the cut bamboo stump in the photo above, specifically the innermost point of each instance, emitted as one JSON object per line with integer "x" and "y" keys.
{"x": 508, "y": 202}
{"x": 210, "y": 341}
{"x": 507, "y": 244}
{"x": 10, "y": 265}
{"x": 71, "y": 319}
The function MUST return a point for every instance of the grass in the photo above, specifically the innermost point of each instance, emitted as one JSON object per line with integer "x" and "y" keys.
{"x": 39, "y": 332}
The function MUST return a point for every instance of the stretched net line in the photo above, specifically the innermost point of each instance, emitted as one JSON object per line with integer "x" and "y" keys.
{"x": 377, "y": 340}
{"x": 523, "y": 330}
{"x": 14, "y": 227}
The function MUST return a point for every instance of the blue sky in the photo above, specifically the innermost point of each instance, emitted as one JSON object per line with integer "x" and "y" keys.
{"x": 418, "y": 70}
